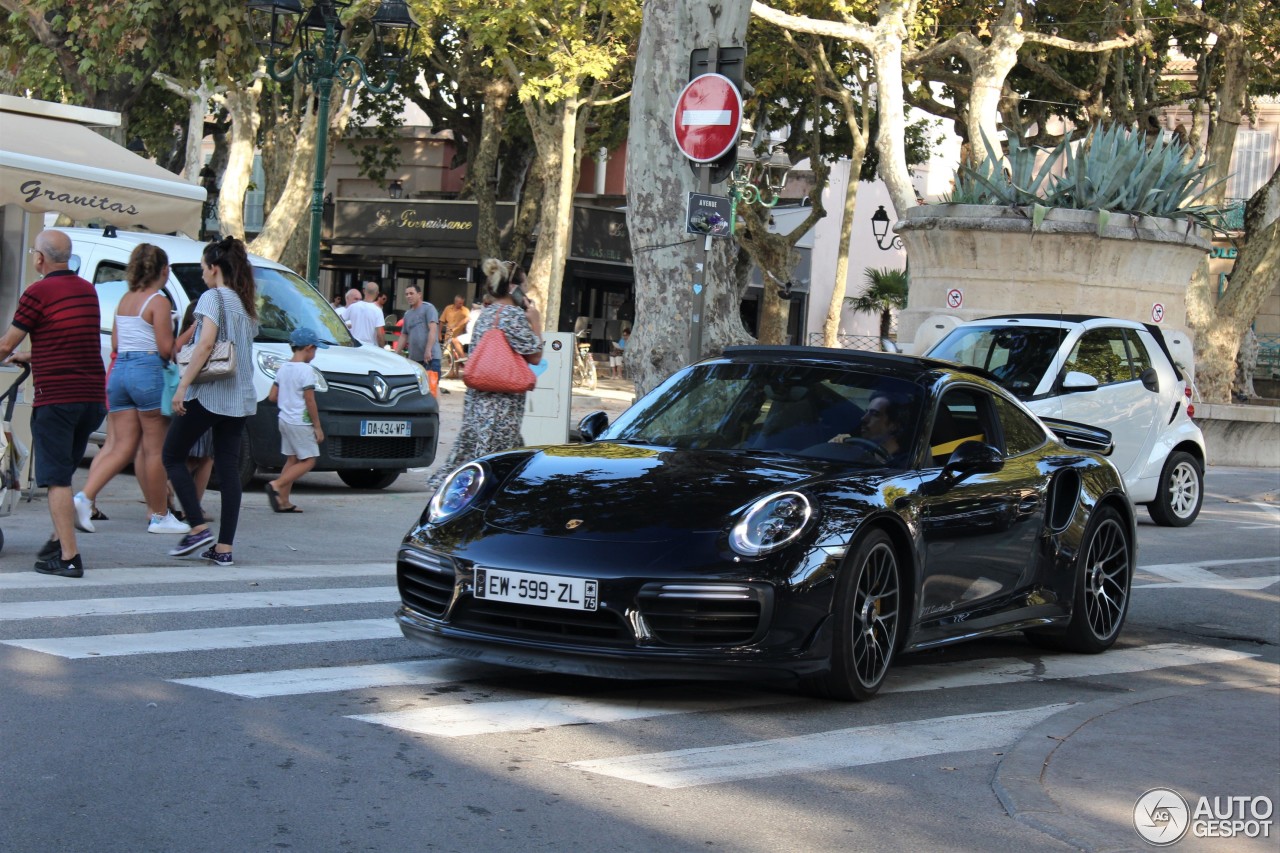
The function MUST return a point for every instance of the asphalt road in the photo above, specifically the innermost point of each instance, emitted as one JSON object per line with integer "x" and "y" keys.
{"x": 162, "y": 705}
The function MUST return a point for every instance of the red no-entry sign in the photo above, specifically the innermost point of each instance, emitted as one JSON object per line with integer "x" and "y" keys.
{"x": 708, "y": 118}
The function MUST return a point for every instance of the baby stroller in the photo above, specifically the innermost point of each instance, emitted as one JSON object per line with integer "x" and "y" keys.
{"x": 13, "y": 455}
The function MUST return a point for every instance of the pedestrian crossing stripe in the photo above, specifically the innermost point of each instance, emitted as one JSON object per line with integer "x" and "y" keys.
{"x": 143, "y": 605}
{"x": 833, "y": 750}
{"x": 189, "y": 572}
{"x": 333, "y": 679}
{"x": 209, "y": 639}
{"x": 463, "y": 720}
{"x": 525, "y": 714}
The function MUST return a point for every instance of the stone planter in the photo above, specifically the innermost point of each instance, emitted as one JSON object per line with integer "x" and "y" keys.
{"x": 1138, "y": 269}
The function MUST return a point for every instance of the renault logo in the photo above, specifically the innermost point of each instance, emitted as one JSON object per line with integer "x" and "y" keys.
{"x": 380, "y": 388}
{"x": 573, "y": 524}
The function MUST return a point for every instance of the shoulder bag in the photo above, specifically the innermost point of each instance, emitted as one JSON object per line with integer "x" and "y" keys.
{"x": 221, "y": 363}
{"x": 495, "y": 367}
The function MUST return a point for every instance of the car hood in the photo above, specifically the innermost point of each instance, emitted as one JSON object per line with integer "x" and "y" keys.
{"x": 635, "y": 493}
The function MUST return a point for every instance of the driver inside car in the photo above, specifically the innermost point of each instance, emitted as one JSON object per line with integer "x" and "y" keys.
{"x": 880, "y": 430}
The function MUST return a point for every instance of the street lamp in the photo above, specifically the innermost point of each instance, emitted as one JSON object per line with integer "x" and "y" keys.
{"x": 321, "y": 59}
{"x": 753, "y": 177}
{"x": 880, "y": 227}
{"x": 396, "y": 190}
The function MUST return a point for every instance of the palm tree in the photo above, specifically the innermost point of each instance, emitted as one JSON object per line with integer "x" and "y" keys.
{"x": 886, "y": 290}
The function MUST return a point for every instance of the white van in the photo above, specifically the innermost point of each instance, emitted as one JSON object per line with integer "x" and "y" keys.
{"x": 378, "y": 415}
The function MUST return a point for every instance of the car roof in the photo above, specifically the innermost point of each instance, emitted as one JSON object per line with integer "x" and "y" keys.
{"x": 906, "y": 366}
{"x": 181, "y": 250}
{"x": 1061, "y": 320}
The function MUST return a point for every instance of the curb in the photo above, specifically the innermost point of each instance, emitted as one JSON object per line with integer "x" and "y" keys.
{"x": 1018, "y": 780}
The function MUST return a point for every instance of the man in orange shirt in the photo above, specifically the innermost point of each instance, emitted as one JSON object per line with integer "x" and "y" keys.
{"x": 453, "y": 320}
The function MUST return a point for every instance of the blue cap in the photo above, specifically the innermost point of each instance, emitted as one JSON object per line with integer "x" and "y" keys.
{"x": 305, "y": 337}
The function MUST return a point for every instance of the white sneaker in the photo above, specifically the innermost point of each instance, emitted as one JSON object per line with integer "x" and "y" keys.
{"x": 167, "y": 524}
{"x": 84, "y": 509}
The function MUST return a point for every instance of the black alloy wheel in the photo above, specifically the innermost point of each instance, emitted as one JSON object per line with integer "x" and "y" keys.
{"x": 1104, "y": 575}
{"x": 868, "y": 612}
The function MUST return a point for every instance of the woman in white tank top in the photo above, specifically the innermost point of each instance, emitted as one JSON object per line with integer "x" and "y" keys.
{"x": 142, "y": 340}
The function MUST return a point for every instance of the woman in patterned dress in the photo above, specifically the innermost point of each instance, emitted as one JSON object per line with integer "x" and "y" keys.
{"x": 491, "y": 421}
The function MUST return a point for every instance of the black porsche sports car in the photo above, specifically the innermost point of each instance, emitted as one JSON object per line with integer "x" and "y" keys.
{"x": 778, "y": 512}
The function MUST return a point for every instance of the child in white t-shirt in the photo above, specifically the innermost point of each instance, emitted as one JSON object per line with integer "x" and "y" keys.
{"x": 294, "y": 391}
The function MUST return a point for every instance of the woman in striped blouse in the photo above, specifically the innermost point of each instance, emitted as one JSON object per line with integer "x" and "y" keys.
{"x": 221, "y": 405}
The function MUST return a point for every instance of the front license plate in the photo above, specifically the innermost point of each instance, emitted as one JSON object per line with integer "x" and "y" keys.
{"x": 384, "y": 428}
{"x": 542, "y": 590}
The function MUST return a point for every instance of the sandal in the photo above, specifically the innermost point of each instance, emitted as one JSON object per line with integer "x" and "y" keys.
{"x": 273, "y": 498}
{"x": 96, "y": 514}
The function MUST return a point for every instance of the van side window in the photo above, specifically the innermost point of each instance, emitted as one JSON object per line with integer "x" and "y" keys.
{"x": 108, "y": 281}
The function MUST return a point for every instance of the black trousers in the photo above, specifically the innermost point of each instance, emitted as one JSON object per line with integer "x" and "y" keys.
{"x": 184, "y": 431}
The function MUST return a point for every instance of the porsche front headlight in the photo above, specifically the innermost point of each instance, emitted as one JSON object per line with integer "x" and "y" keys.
{"x": 458, "y": 492}
{"x": 770, "y": 523}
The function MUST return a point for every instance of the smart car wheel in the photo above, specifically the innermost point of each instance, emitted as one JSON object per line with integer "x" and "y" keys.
{"x": 1104, "y": 573}
{"x": 868, "y": 610}
{"x": 1181, "y": 491}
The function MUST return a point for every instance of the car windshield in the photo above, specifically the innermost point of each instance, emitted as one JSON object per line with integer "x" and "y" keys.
{"x": 1016, "y": 356}
{"x": 803, "y": 410}
{"x": 285, "y": 302}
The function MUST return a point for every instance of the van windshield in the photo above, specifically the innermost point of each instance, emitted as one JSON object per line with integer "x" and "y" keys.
{"x": 285, "y": 302}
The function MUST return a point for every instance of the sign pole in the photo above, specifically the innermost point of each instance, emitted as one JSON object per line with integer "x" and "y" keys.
{"x": 700, "y": 276}
{"x": 701, "y": 270}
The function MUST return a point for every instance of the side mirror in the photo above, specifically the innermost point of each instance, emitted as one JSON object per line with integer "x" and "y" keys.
{"x": 1075, "y": 382}
{"x": 972, "y": 457}
{"x": 1151, "y": 380}
{"x": 592, "y": 425}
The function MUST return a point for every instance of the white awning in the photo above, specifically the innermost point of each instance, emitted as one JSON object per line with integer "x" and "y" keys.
{"x": 50, "y": 165}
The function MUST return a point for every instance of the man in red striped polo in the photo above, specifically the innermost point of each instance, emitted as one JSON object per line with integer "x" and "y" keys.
{"x": 60, "y": 314}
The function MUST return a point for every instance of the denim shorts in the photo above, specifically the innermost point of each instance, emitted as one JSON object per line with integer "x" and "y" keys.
{"x": 137, "y": 382}
{"x": 60, "y": 435}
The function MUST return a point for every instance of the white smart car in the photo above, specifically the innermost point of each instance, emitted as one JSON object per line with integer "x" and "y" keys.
{"x": 1111, "y": 373}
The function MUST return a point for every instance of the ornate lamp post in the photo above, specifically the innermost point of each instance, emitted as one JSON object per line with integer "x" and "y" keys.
{"x": 880, "y": 228}
{"x": 320, "y": 60}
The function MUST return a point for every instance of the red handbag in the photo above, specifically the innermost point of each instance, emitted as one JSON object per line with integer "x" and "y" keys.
{"x": 495, "y": 367}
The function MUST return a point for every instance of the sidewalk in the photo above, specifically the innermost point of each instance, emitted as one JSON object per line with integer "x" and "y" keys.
{"x": 1078, "y": 775}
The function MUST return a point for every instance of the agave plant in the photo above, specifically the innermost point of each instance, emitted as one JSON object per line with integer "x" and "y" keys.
{"x": 1112, "y": 170}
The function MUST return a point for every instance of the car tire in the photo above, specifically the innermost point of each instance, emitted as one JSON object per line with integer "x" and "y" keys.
{"x": 868, "y": 613}
{"x": 368, "y": 478}
{"x": 245, "y": 466}
{"x": 1180, "y": 493}
{"x": 1104, "y": 578}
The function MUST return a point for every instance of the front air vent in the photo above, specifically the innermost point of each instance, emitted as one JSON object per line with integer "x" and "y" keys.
{"x": 705, "y": 614}
{"x": 425, "y": 580}
{"x": 1064, "y": 495}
